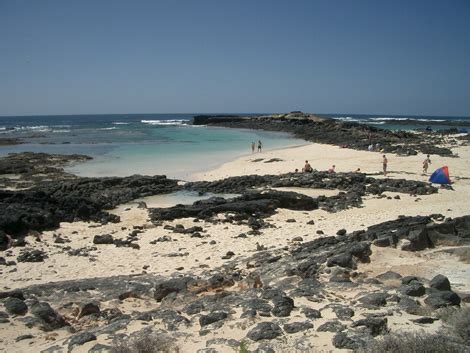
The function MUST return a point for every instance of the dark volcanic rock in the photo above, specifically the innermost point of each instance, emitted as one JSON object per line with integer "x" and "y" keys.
{"x": 409, "y": 279}
{"x": 263, "y": 203}
{"x": 374, "y": 299}
{"x": 15, "y": 306}
{"x": 4, "y": 241}
{"x": 343, "y": 341}
{"x": 264, "y": 331}
{"x": 49, "y": 318}
{"x": 389, "y": 275}
{"x": 331, "y": 326}
{"x": 15, "y": 293}
{"x": 32, "y": 256}
{"x": 171, "y": 286}
{"x": 103, "y": 239}
{"x": 424, "y": 320}
{"x": 46, "y": 205}
{"x": 440, "y": 282}
{"x": 205, "y": 320}
{"x": 80, "y": 339}
{"x": 438, "y": 299}
{"x": 295, "y": 327}
{"x": 342, "y": 260}
{"x": 413, "y": 289}
{"x": 282, "y": 306}
{"x": 89, "y": 309}
{"x": 343, "y": 312}
{"x": 311, "y": 313}
{"x": 375, "y": 326}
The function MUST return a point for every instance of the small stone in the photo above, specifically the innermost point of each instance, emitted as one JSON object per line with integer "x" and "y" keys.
{"x": 89, "y": 309}
{"x": 103, "y": 239}
{"x": 81, "y": 339}
{"x": 331, "y": 326}
{"x": 440, "y": 282}
{"x": 311, "y": 313}
{"x": 15, "y": 306}
{"x": 295, "y": 327}
{"x": 205, "y": 320}
{"x": 264, "y": 331}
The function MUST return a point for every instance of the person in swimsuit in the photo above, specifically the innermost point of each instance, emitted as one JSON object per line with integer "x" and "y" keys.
{"x": 384, "y": 163}
{"x": 260, "y": 145}
{"x": 332, "y": 169}
{"x": 253, "y": 145}
{"x": 307, "y": 167}
{"x": 426, "y": 164}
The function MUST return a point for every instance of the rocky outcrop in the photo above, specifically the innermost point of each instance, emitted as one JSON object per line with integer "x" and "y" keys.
{"x": 349, "y": 182}
{"x": 330, "y": 131}
{"x": 262, "y": 204}
{"x": 419, "y": 233}
{"x": 45, "y": 206}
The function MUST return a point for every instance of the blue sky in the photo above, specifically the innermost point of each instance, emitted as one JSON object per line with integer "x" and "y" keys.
{"x": 332, "y": 56}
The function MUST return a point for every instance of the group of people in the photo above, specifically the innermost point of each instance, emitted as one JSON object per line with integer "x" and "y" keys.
{"x": 308, "y": 168}
{"x": 253, "y": 146}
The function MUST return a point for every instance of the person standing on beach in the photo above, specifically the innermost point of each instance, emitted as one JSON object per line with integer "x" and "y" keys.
{"x": 253, "y": 144}
{"x": 384, "y": 163}
{"x": 426, "y": 164}
{"x": 260, "y": 145}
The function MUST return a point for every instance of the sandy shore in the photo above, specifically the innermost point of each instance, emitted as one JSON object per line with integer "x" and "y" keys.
{"x": 197, "y": 256}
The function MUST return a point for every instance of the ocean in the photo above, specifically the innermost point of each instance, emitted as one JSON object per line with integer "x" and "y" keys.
{"x": 149, "y": 144}
{"x": 401, "y": 122}
{"x": 126, "y": 144}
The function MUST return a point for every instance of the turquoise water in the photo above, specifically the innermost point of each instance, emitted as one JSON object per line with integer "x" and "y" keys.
{"x": 126, "y": 144}
{"x": 189, "y": 150}
{"x": 183, "y": 197}
{"x": 123, "y": 145}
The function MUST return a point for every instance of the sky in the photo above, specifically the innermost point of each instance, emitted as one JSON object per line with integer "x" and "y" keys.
{"x": 409, "y": 57}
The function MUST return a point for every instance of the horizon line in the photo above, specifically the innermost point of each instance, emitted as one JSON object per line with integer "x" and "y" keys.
{"x": 239, "y": 113}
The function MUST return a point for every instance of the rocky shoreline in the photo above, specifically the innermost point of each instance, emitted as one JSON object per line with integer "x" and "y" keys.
{"x": 330, "y": 131}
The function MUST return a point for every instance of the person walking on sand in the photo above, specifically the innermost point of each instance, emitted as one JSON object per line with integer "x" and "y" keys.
{"x": 253, "y": 145}
{"x": 260, "y": 145}
{"x": 426, "y": 164}
{"x": 384, "y": 163}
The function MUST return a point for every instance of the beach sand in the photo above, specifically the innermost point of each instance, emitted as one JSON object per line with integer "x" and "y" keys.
{"x": 198, "y": 256}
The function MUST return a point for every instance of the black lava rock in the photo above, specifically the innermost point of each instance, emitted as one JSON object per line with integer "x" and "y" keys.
{"x": 264, "y": 331}
{"x": 15, "y": 306}
{"x": 205, "y": 320}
